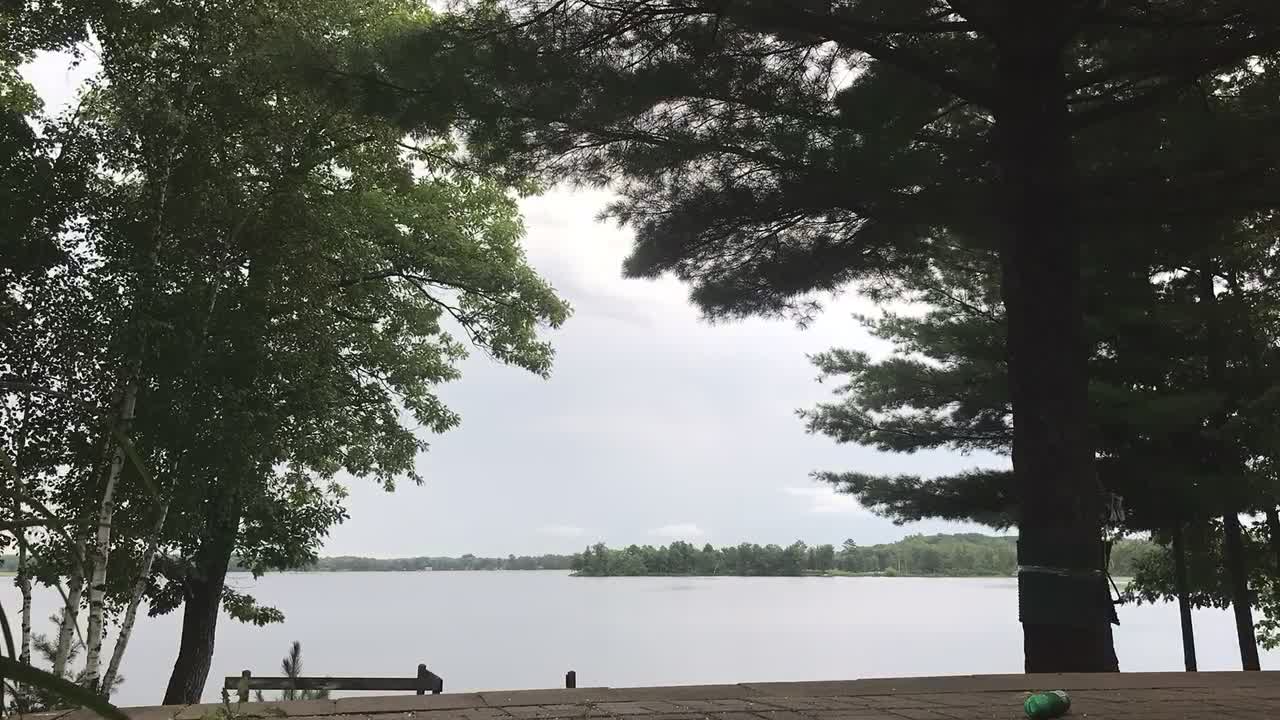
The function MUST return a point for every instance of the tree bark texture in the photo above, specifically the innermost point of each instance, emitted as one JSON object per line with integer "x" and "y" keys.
{"x": 1184, "y": 601}
{"x": 135, "y": 599}
{"x": 23, "y": 581}
{"x": 203, "y": 584}
{"x": 1238, "y": 576}
{"x": 71, "y": 613}
{"x": 1219, "y": 461}
{"x": 1064, "y": 603}
{"x": 102, "y": 540}
{"x": 201, "y": 604}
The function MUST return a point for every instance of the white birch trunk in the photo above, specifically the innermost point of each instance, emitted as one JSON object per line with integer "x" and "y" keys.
{"x": 102, "y": 543}
{"x": 24, "y": 587}
{"x": 23, "y": 580}
{"x": 135, "y": 599}
{"x": 71, "y": 613}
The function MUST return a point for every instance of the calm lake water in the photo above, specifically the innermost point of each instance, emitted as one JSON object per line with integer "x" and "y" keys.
{"x": 491, "y": 630}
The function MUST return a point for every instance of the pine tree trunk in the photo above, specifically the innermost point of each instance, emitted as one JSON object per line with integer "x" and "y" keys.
{"x": 1064, "y": 603}
{"x": 71, "y": 613}
{"x": 1238, "y": 576}
{"x": 102, "y": 541}
{"x": 1220, "y": 462}
{"x": 1184, "y": 601}
{"x": 135, "y": 599}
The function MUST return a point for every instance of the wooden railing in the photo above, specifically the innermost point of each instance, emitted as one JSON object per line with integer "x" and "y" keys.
{"x": 426, "y": 681}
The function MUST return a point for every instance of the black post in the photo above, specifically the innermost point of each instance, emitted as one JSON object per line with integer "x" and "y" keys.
{"x": 571, "y": 680}
{"x": 243, "y": 690}
{"x": 424, "y": 679}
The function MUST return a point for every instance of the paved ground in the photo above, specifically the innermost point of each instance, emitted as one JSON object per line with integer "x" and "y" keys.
{"x": 1127, "y": 696}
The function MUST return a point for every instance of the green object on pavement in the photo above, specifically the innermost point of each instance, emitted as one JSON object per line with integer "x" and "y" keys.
{"x": 1044, "y": 705}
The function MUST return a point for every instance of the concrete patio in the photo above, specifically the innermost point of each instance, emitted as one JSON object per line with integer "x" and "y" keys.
{"x": 1126, "y": 696}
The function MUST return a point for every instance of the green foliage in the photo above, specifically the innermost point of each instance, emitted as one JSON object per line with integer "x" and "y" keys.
{"x": 755, "y": 164}
{"x": 35, "y": 696}
{"x": 981, "y": 496}
{"x": 960, "y": 555}
{"x": 244, "y": 608}
{"x": 951, "y": 555}
{"x": 414, "y": 564}
{"x": 1207, "y": 574}
{"x": 288, "y": 281}
{"x": 291, "y": 666}
{"x": 1129, "y": 555}
{"x": 58, "y": 691}
{"x": 681, "y": 558}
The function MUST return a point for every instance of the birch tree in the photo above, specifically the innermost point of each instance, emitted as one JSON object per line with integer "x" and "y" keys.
{"x": 317, "y": 273}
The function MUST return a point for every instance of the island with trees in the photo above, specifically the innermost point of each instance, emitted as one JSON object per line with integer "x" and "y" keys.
{"x": 958, "y": 555}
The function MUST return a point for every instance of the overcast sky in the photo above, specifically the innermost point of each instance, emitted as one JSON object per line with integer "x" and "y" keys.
{"x": 654, "y": 426}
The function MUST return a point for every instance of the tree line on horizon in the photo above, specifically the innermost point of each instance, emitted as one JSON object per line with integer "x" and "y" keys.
{"x": 350, "y": 563}
{"x": 944, "y": 555}
{"x": 954, "y": 555}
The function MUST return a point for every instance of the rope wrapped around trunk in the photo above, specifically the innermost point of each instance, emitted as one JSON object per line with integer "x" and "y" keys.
{"x": 1055, "y": 589}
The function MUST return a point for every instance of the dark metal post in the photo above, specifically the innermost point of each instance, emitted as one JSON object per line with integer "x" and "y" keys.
{"x": 424, "y": 679}
{"x": 571, "y": 679}
{"x": 243, "y": 690}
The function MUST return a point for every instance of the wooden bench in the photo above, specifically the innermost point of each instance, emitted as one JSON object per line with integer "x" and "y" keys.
{"x": 426, "y": 681}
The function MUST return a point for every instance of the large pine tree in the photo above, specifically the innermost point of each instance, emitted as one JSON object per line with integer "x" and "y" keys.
{"x": 766, "y": 150}
{"x": 1183, "y": 377}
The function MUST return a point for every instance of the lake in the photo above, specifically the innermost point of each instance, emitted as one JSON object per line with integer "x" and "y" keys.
{"x": 507, "y": 630}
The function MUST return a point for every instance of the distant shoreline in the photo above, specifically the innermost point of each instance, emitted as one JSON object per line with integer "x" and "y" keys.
{"x": 424, "y": 571}
{"x": 1119, "y": 580}
{"x": 954, "y": 555}
{"x": 943, "y": 555}
{"x": 830, "y": 574}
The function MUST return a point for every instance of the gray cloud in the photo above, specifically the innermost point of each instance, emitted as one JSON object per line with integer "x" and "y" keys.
{"x": 824, "y": 500}
{"x": 679, "y": 531}
{"x": 563, "y": 531}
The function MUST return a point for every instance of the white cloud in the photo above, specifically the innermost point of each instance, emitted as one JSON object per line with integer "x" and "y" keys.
{"x": 826, "y": 500}
{"x": 58, "y": 77}
{"x": 679, "y": 531}
{"x": 563, "y": 531}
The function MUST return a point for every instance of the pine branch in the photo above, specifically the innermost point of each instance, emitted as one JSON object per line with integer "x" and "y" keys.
{"x": 1180, "y": 62}
{"x": 866, "y": 37}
